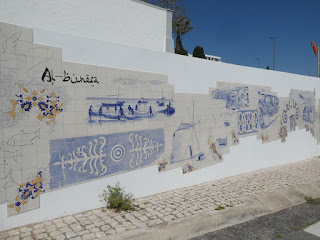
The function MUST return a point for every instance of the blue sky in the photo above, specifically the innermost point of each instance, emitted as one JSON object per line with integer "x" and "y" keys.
{"x": 240, "y": 31}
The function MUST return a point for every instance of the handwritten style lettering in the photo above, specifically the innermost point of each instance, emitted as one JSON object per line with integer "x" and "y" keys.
{"x": 81, "y": 79}
{"x": 48, "y": 76}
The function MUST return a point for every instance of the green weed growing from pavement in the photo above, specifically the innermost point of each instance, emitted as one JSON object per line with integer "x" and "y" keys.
{"x": 311, "y": 200}
{"x": 279, "y": 236}
{"x": 219, "y": 208}
{"x": 115, "y": 198}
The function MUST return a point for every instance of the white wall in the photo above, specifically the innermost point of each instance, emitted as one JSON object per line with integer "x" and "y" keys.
{"x": 124, "y": 22}
{"x": 189, "y": 75}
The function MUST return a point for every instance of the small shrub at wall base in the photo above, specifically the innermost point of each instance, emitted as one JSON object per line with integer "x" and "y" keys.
{"x": 115, "y": 198}
{"x": 199, "y": 52}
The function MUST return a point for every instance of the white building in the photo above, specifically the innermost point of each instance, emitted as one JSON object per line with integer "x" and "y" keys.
{"x": 126, "y": 22}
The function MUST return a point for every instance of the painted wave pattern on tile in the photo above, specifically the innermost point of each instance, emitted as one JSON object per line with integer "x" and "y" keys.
{"x": 66, "y": 123}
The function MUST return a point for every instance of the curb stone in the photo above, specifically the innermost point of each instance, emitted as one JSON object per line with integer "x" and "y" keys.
{"x": 253, "y": 206}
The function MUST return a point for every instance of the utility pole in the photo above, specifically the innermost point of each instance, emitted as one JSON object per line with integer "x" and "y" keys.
{"x": 274, "y": 52}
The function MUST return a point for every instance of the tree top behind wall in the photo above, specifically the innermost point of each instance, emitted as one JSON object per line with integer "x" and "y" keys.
{"x": 181, "y": 24}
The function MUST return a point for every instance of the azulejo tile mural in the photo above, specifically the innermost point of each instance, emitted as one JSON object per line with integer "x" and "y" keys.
{"x": 75, "y": 160}
{"x": 28, "y": 193}
{"x": 66, "y": 123}
{"x": 47, "y": 104}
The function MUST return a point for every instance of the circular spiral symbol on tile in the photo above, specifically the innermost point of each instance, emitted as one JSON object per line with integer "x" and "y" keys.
{"x": 117, "y": 153}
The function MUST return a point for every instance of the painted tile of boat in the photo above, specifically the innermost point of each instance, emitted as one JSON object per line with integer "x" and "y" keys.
{"x": 142, "y": 101}
{"x": 122, "y": 110}
{"x": 118, "y": 104}
{"x": 169, "y": 110}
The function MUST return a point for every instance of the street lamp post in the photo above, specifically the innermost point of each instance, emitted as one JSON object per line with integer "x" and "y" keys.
{"x": 318, "y": 64}
{"x": 274, "y": 51}
{"x": 258, "y": 62}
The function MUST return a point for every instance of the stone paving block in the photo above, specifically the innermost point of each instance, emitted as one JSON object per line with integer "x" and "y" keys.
{"x": 120, "y": 229}
{"x": 61, "y": 224}
{"x": 69, "y": 219}
{"x": 99, "y": 224}
{"x": 27, "y": 238}
{"x": 51, "y": 228}
{"x": 131, "y": 227}
{"x": 25, "y": 229}
{"x": 55, "y": 234}
{"x": 38, "y": 226}
{"x": 78, "y": 215}
{"x": 60, "y": 237}
{"x": 41, "y": 236}
{"x": 111, "y": 232}
{"x": 100, "y": 234}
{"x": 83, "y": 232}
{"x": 38, "y": 231}
{"x": 25, "y": 234}
{"x": 89, "y": 236}
{"x": 13, "y": 232}
{"x": 140, "y": 224}
{"x": 48, "y": 223}
{"x": 96, "y": 211}
{"x": 143, "y": 218}
{"x": 93, "y": 218}
{"x": 114, "y": 224}
{"x": 65, "y": 229}
{"x": 105, "y": 227}
{"x": 169, "y": 218}
{"x": 76, "y": 227}
{"x": 13, "y": 238}
{"x": 76, "y": 238}
{"x": 86, "y": 222}
{"x": 94, "y": 230}
{"x": 90, "y": 226}
{"x": 71, "y": 234}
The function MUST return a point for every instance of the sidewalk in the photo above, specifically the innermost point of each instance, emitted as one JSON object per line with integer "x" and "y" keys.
{"x": 182, "y": 213}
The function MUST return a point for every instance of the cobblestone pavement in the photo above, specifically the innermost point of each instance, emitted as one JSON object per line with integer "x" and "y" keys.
{"x": 172, "y": 205}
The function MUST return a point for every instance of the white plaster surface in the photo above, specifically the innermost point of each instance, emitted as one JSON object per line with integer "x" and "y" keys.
{"x": 125, "y": 22}
{"x": 189, "y": 75}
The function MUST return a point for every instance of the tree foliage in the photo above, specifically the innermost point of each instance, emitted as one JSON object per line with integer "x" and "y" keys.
{"x": 199, "y": 52}
{"x": 181, "y": 24}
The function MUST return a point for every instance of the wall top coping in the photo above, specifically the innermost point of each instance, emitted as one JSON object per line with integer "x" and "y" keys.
{"x": 151, "y": 5}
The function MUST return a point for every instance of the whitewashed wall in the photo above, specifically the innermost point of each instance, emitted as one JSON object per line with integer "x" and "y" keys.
{"x": 189, "y": 75}
{"x": 126, "y": 22}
